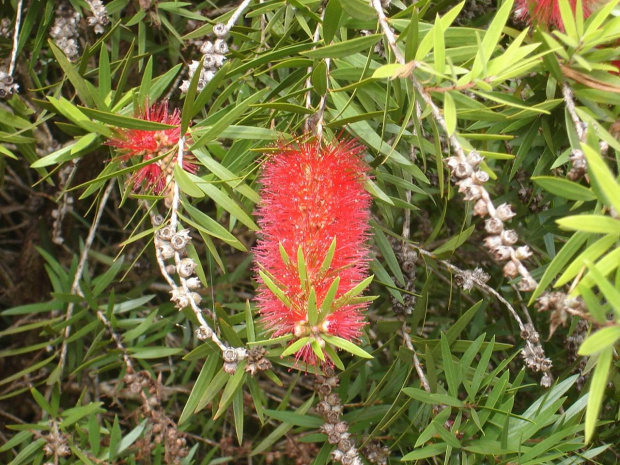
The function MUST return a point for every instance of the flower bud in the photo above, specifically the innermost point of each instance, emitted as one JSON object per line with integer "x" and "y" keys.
{"x": 203, "y": 333}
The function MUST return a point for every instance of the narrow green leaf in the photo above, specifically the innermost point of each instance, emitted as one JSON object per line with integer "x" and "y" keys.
{"x": 331, "y": 18}
{"x": 592, "y": 223}
{"x": 605, "y": 180}
{"x": 301, "y": 268}
{"x": 346, "y": 345}
{"x": 597, "y": 390}
{"x": 274, "y": 288}
{"x": 449, "y": 113}
{"x": 204, "y": 379}
{"x": 326, "y": 305}
{"x": 600, "y": 340}
{"x": 295, "y": 346}
{"x": 285, "y": 258}
{"x": 235, "y": 383}
{"x": 313, "y": 314}
{"x": 344, "y": 49}
{"x": 329, "y": 256}
{"x": 592, "y": 253}
{"x": 564, "y": 188}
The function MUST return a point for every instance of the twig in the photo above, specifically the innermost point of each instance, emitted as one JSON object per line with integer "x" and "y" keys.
{"x": 117, "y": 340}
{"x": 315, "y": 122}
{"x": 75, "y": 287}
{"x": 533, "y": 353}
{"x": 580, "y": 126}
{"x": 182, "y": 294}
{"x": 237, "y": 14}
{"x": 466, "y": 169}
{"x": 18, "y": 21}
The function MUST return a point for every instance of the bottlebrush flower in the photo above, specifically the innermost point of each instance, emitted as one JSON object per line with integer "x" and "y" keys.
{"x": 311, "y": 196}
{"x": 546, "y": 13}
{"x": 150, "y": 145}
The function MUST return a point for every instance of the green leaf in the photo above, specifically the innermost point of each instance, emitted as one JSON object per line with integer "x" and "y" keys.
{"x": 126, "y": 122}
{"x": 208, "y": 225}
{"x": 425, "y": 452}
{"x": 295, "y": 346}
{"x": 204, "y": 379}
{"x": 564, "y": 188}
{"x": 344, "y": 49}
{"x": 319, "y": 78}
{"x": 281, "y": 430}
{"x": 329, "y": 256}
{"x": 346, "y": 345}
{"x": 154, "y": 352}
{"x": 326, "y": 305}
{"x": 559, "y": 262}
{"x": 222, "y": 199}
{"x": 285, "y": 258}
{"x": 359, "y": 9}
{"x": 313, "y": 314}
{"x": 605, "y": 180}
{"x": 592, "y": 223}
{"x": 331, "y": 18}
{"x": 279, "y": 293}
{"x": 235, "y": 382}
{"x": 301, "y": 267}
{"x": 597, "y": 390}
{"x": 455, "y": 242}
{"x": 230, "y": 178}
{"x": 600, "y": 340}
{"x": 294, "y": 418}
{"x": 346, "y": 297}
{"x": 449, "y": 113}
{"x": 185, "y": 183}
{"x": 592, "y": 253}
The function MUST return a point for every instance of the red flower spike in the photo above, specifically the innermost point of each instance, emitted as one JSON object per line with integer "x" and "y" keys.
{"x": 311, "y": 195}
{"x": 152, "y": 144}
{"x": 546, "y": 13}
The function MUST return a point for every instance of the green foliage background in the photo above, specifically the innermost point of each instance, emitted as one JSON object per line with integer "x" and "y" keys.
{"x": 498, "y": 86}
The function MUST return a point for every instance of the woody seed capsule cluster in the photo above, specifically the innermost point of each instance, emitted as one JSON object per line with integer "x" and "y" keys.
{"x": 65, "y": 31}
{"x": 330, "y": 408}
{"x": 99, "y": 18}
{"x": 214, "y": 57}
{"x": 500, "y": 241}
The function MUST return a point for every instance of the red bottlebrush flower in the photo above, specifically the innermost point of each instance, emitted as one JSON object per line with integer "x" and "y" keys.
{"x": 152, "y": 144}
{"x": 546, "y": 13}
{"x": 311, "y": 195}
